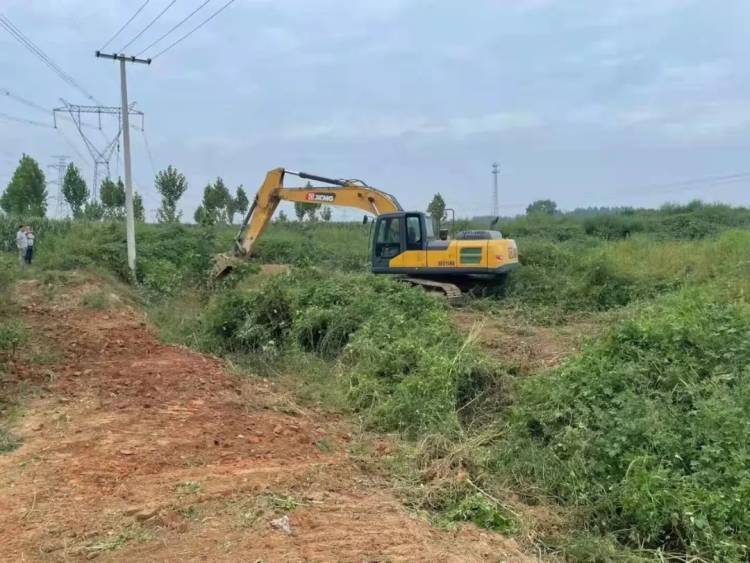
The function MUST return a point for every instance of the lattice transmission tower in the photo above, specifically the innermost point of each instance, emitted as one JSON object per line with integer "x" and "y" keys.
{"x": 101, "y": 157}
{"x": 60, "y": 166}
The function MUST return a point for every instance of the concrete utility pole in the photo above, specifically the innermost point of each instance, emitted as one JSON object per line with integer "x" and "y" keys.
{"x": 495, "y": 206}
{"x": 130, "y": 218}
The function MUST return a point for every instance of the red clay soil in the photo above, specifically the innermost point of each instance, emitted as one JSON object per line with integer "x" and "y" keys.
{"x": 138, "y": 451}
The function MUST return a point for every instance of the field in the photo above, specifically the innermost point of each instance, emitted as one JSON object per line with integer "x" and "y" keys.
{"x": 594, "y": 409}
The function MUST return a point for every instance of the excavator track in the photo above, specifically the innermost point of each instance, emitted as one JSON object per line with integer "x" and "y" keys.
{"x": 449, "y": 290}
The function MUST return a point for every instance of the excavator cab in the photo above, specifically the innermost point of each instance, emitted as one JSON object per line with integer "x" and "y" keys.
{"x": 404, "y": 243}
{"x": 398, "y": 233}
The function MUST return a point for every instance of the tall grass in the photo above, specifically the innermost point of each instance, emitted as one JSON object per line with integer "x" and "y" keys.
{"x": 402, "y": 363}
{"x": 645, "y": 433}
{"x": 574, "y": 276}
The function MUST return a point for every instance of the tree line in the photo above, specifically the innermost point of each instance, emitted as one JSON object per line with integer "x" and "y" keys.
{"x": 26, "y": 196}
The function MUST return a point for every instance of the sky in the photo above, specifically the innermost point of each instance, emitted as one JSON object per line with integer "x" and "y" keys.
{"x": 586, "y": 102}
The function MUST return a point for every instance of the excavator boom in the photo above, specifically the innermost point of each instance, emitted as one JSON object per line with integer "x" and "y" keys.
{"x": 346, "y": 193}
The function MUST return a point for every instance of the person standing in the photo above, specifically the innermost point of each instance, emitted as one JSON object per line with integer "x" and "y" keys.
{"x": 21, "y": 244}
{"x": 29, "y": 245}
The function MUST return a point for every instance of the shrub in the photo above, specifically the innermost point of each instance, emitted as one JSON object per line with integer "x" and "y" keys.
{"x": 403, "y": 363}
{"x": 646, "y": 431}
{"x": 12, "y": 335}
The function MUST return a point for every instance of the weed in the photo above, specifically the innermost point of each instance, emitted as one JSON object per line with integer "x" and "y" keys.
{"x": 647, "y": 429}
{"x": 283, "y": 503}
{"x": 324, "y": 445}
{"x": 402, "y": 363}
{"x": 482, "y": 511}
{"x": 13, "y": 334}
{"x": 8, "y": 441}
{"x": 98, "y": 299}
{"x": 114, "y": 540}
{"x": 249, "y": 510}
{"x": 188, "y": 488}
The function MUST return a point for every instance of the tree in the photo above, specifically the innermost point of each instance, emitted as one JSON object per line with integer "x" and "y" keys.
{"x": 282, "y": 218}
{"x": 216, "y": 205}
{"x": 113, "y": 198}
{"x": 26, "y": 194}
{"x": 325, "y": 213}
{"x": 74, "y": 190}
{"x": 542, "y": 206}
{"x": 436, "y": 208}
{"x": 171, "y": 185}
{"x": 221, "y": 201}
{"x": 304, "y": 209}
{"x": 93, "y": 211}
{"x": 138, "y": 210}
{"x": 240, "y": 203}
{"x": 200, "y": 215}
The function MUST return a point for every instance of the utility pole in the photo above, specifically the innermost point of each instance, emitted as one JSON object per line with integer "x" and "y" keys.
{"x": 130, "y": 218}
{"x": 495, "y": 207}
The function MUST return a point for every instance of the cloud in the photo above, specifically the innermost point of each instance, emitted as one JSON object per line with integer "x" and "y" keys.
{"x": 695, "y": 122}
{"x": 385, "y": 127}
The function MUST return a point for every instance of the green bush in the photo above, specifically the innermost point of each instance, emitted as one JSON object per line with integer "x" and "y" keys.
{"x": 598, "y": 276}
{"x": 646, "y": 431}
{"x": 403, "y": 364}
{"x": 12, "y": 335}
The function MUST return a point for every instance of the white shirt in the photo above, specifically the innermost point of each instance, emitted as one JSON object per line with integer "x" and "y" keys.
{"x": 21, "y": 241}
{"x": 29, "y": 239}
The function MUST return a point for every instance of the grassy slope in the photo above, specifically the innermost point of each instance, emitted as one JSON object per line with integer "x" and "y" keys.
{"x": 397, "y": 363}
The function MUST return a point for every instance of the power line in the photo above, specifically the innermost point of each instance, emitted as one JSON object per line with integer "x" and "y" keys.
{"x": 119, "y": 31}
{"x": 183, "y": 20}
{"x": 22, "y": 120}
{"x": 153, "y": 21}
{"x": 23, "y": 100}
{"x": 33, "y": 48}
{"x": 29, "y": 103}
{"x": 72, "y": 145}
{"x": 148, "y": 151}
{"x": 189, "y": 33}
{"x": 687, "y": 183}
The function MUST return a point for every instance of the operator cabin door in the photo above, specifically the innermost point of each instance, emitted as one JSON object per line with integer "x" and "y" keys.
{"x": 416, "y": 242}
{"x": 389, "y": 241}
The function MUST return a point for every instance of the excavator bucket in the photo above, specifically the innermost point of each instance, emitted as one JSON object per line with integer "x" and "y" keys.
{"x": 224, "y": 264}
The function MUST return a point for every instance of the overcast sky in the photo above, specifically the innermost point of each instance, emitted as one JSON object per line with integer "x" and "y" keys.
{"x": 587, "y": 102}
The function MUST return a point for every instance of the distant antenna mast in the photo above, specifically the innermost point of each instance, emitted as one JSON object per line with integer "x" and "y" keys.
{"x": 495, "y": 206}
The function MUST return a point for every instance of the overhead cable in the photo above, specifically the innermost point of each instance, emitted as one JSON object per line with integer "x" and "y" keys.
{"x": 196, "y": 28}
{"x": 174, "y": 27}
{"x": 34, "y": 49}
{"x": 152, "y": 22}
{"x": 119, "y": 31}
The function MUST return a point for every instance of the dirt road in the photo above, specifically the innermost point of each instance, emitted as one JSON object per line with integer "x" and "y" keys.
{"x": 137, "y": 451}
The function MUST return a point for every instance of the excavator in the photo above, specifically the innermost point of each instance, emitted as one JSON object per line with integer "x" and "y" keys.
{"x": 404, "y": 242}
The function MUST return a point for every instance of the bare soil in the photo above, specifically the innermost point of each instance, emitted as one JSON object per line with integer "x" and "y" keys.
{"x": 527, "y": 347}
{"x": 138, "y": 451}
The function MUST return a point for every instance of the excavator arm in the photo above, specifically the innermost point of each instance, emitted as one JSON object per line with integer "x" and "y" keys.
{"x": 340, "y": 193}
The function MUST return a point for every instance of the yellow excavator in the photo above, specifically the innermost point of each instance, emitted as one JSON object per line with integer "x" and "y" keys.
{"x": 403, "y": 244}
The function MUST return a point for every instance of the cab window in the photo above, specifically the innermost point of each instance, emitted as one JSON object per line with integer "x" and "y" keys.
{"x": 414, "y": 238}
{"x": 388, "y": 241}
